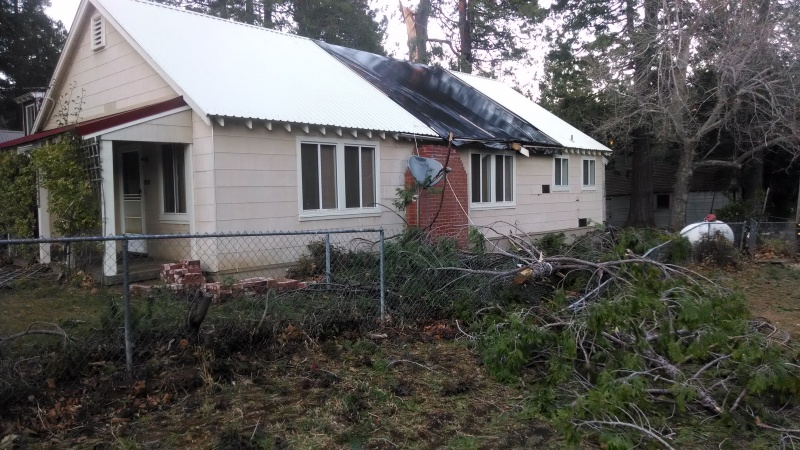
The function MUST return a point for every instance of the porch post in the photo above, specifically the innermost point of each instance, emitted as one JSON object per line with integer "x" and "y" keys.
{"x": 44, "y": 225}
{"x": 109, "y": 215}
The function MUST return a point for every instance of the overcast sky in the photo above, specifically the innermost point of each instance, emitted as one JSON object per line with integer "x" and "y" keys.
{"x": 64, "y": 10}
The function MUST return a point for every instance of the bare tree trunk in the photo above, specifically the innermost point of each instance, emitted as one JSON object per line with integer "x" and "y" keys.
{"x": 640, "y": 213}
{"x": 268, "y": 5}
{"x": 249, "y": 14}
{"x": 752, "y": 178}
{"x": 417, "y": 30}
{"x": 680, "y": 193}
{"x": 465, "y": 36}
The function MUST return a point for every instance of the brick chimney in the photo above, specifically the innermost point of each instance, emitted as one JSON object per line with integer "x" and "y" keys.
{"x": 452, "y": 208}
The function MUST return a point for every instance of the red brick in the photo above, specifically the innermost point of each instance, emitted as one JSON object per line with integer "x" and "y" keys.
{"x": 191, "y": 265}
{"x": 286, "y": 284}
{"x": 193, "y": 279}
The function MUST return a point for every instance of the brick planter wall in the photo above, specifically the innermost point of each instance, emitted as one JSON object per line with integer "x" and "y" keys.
{"x": 451, "y": 221}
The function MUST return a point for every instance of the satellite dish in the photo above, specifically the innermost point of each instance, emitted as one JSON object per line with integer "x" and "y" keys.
{"x": 427, "y": 171}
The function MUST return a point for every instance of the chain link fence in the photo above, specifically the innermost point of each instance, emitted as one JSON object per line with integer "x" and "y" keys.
{"x": 76, "y": 308}
{"x": 113, "y": 305}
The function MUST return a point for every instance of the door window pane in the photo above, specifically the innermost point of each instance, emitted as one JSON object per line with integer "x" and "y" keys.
{"x": 130, "y": 174}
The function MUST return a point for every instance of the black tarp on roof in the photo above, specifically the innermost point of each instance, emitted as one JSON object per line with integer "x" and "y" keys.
{"x": 441, "y": 100}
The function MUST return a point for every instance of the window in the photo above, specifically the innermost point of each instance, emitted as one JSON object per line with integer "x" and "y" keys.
{"x": 589, "y": 173}
{"x": 339, "y": 177}
{"x": 30, "y": 117}
{"x": 561, "y": 172}
{"x": 174, "y": 178}
{"x": 98, "y": 28}
{"x": 662, "y": 201}
{"x": 492, "y": 178}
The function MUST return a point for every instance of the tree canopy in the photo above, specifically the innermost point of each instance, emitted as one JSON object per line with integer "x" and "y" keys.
{"x": 351, "y": 23}
{"x": 707, "y": 81}
{"x": 478, "y": 35}
{"x": 30, "y": 43}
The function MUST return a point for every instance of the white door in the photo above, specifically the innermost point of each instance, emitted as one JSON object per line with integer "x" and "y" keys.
{"x": 133, "y": 200}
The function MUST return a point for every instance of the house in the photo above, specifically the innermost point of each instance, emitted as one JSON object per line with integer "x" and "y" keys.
{"x": 31, "y": 103}
{"x": 710, "y": 188}
{"x": 10, "y": 135}
{"x": 197, "y": 124}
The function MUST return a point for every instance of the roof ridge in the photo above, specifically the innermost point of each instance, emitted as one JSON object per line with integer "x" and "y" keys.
{"x": 208, "y": 16}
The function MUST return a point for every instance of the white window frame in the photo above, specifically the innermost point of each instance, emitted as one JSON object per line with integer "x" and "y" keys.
{"x": 592, "y": 186}
{"x": 167, "y": 217}
{"x": 341, "y": 201}
{"x": 564, "y": 186}
{"x": 29, "y": 120}
{"x": 493, "y": 203}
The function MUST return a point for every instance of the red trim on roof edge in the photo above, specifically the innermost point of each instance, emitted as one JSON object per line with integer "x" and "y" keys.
{"x": 102, "y": 123}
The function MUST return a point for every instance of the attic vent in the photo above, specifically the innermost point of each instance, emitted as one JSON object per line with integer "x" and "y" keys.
{"x": 98, "y": 33}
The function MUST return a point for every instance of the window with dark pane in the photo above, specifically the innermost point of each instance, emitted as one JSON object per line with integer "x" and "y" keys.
{"x": 503, "y": 178}
{"x": 309, "y": 163}
{"x": 588, "y": 172}
{"x": 174, "y": 177}
{"x": 561, "y": 171}
{"x": 327, "y": 165}
{"x": 368, "y": 188}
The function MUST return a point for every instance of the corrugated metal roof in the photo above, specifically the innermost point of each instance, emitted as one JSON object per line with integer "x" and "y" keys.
{"x": 9, "y": 135}
{"x": 561, "y": 131}
{"x": 236, "y": 70}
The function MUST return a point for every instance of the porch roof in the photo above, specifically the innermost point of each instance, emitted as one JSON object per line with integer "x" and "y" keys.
{"x": 103, "y": 123}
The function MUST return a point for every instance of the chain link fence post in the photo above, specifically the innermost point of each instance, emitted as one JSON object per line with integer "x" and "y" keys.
{"x": 126, "y": 308}
{"x": 383, "y": 302}
{"x": 327, "y": 258}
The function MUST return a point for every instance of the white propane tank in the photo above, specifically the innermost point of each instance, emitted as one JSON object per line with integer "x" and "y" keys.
{"x": 695, "y": 231}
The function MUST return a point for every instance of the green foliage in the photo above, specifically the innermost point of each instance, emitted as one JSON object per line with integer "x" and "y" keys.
{"x": 715, "y": 249}
{"x": 404, "y": 197}
{"x": 17, "y": 195}
{"x": 341, "y": 22}
{"x": 31, "y": 44}
{"x": 72, "y": 200}
{"x": 586, "y": 375}
{"x": 508, "y": 348}
{"x": 741, "y": 210}
{"x": 552, "y": 244}
{"x": 477, "y": 241}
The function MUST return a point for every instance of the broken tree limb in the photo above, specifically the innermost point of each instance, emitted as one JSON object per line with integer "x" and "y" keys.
{"x": 616, "y": 423}
{"x": 56, "y": 331}
{"x": 198, "y": 309}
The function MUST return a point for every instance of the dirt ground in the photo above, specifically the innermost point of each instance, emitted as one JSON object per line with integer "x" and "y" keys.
{"x": 398, "y": 388}
{"x": 772, "y": 289}
{"x": 419, "y": 390}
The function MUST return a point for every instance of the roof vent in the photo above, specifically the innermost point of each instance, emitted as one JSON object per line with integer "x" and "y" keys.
{"x": 98, "y": 33}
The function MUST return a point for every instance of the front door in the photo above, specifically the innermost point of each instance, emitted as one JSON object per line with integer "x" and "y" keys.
{"x": 132, "y": 200}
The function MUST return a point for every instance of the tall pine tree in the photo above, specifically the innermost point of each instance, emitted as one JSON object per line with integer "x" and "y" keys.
{"x": 30, "y": 43}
